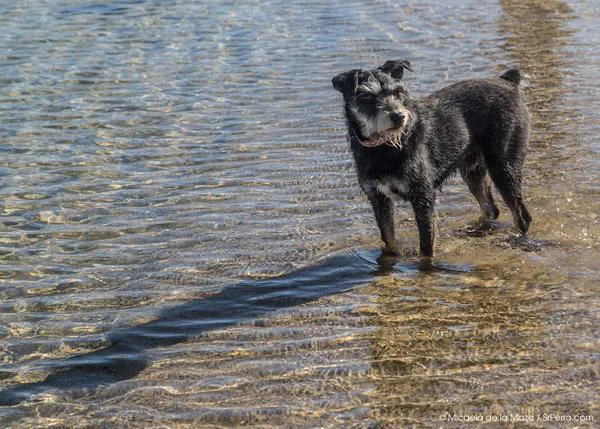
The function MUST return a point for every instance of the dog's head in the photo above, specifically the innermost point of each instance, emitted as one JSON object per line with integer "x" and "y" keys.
{"x": 376, "y": 103}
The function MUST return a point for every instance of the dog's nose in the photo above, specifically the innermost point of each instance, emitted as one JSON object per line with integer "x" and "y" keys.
{"x": 397, "y": 118}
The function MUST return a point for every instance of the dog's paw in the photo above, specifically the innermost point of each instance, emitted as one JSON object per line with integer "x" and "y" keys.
{"x": 480, "y": 228}
{"x": 390, "y": 250}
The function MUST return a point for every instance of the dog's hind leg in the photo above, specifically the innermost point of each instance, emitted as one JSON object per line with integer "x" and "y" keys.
{"x": 475, "y": 176}
{"x": 504, "y": 154}
{"x": 508, "y": 183}
{"x": 507, "y": 177}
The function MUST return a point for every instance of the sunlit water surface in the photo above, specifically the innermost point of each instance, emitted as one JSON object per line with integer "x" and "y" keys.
{"x": 183, "y": 242}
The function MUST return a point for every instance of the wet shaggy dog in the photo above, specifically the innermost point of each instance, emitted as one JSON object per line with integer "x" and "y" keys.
{"x": 405, "y": 148}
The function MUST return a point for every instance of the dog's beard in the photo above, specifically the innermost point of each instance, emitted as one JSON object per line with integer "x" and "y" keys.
{"x": 390, "y": 136}
{"x": 394, "y": 139}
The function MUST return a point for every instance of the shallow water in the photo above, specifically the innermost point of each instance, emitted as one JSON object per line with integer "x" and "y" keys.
{"x": 183, "y": 242}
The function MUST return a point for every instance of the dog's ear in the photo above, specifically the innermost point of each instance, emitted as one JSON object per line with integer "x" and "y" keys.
{"x": 395, "y": 68}
{"x": 346, "y": 82}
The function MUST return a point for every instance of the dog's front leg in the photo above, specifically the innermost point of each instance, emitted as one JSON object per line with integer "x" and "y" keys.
{"x": 423, "y": 206}
{"x": 384, "y": 214}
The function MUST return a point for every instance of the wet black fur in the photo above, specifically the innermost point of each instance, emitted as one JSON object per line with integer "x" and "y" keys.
{"x": 477, "y": 126}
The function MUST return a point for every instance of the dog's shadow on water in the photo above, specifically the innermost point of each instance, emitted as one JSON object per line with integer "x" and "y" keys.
{"x": 125, "y": 356}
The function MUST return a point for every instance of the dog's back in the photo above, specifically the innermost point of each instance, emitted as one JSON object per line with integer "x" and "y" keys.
{"x": 508, "y": 82}
{"x": 484, "y": 104}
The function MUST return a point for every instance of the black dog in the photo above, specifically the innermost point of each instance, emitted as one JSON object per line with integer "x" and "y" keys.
{"x": 406, "y": 148}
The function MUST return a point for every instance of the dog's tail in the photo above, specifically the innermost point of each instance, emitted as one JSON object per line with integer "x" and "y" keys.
{"x": 513, "y": 76}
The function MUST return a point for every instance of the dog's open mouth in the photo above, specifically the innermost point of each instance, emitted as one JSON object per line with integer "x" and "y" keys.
{"x": 392, "y": 138}
{"x": 371, "y": 142}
